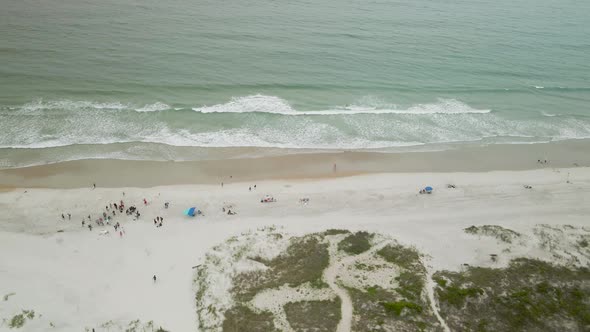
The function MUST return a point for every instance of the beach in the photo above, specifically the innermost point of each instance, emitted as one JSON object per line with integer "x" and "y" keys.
{"x": 280, "y": 166}
{"x": 76, "y": 278}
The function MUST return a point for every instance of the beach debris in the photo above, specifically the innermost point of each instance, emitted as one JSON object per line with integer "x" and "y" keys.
{"x": 268, "y": 199}
{"x": 451, "y": 186}
{"x": 526, "y": 186}
{"x": 7, "y": 296}
{"x": 304, "y": 200}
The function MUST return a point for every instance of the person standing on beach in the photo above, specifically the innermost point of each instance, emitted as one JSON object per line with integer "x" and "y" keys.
{"x": 69, "y": 216}
{"x": 154, "y": 277}
{"x": 94, "y": 186}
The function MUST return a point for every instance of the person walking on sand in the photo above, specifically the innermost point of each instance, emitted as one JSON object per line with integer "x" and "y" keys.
{"x": 154, "y": 277}
{"x": 63, "y": 217}
{"x": 94, "y": 186}
{"x": 144, "y": 201}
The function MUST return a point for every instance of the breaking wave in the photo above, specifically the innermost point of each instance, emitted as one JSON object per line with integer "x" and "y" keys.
{"x": 269, "y": 122}
{"x": 276, "y": 105}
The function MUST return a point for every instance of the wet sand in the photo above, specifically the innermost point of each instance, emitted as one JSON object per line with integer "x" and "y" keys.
{"x": 131, "y": 173}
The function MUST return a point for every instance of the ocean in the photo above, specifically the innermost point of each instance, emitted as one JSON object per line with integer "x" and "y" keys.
{"x": 188, "y": 80}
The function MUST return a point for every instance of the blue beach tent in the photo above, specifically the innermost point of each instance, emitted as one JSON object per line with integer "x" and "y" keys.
{"x": 190, "y": 211}
{"x": 428, "y": 189}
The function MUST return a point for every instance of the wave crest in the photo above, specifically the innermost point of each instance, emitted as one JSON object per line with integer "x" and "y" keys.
{"x": 276, "y": 105}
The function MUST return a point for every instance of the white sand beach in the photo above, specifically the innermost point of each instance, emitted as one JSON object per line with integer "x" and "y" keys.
{"x": 74, "y": 278}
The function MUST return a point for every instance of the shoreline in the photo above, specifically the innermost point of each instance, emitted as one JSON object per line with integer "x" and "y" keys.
{"x": 116, "y": 173}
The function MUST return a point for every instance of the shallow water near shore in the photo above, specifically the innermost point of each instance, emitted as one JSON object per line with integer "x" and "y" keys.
{"x": 130, "y": 81}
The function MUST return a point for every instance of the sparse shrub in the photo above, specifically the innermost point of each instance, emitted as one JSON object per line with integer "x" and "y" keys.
{"x": 336, "y": 231}
{"x": 397, "y": 307}
{"x": 241, "y": 318}
{"x": 410, "y": 285}
{"x": 317, "y": 316}
{"x": 17, "y": 321}
{"x": 407, "y": 258}
{"x": 456, "y": 296}
{"x": 356, "y": 243}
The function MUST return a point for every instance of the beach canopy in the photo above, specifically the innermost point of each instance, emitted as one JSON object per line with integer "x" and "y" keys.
{"x": 190, "y": 211}
{"x": 428, "y": 189}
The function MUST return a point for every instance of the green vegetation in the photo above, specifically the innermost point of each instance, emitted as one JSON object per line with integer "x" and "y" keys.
{"x": 19, "y": 320}
{"x": 372, "y": 290}
{"x": 336, "y": 231}
{"x": 241, "y": 318}
{"x": 318, "y": 284}
{"x": 410, "y": 285}
{"x": 377, "y": 308}
{"x": 398, "y": 307}
{"x": 456, "y": 296}
{"x": 407, "y": 258}
{"x": 528, "y": 295}
{"x": 500, "y": 233}
{"x": 440, "y": 281}
{"x": 304, "y": 261}
{"x": 315, "y": 316}
{"x": 356, "y": 243}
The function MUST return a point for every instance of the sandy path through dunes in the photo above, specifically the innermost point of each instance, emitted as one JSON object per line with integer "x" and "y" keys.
{"x": 346, "y": 303}
{"x": 430, "y": 292}
{"x": 331, "y": 273}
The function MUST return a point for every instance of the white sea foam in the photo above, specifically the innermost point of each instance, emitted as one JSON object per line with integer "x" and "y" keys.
{"x": 276, "y": 105}
{"x": 155, "y": 107}
{"x": 445, "y": 121}
{"x": 65, "y": 104}
{"x": 73, "y": 105}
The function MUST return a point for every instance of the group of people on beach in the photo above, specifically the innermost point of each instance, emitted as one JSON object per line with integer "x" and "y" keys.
{"x": 158, "y": 221}
{"x": 105, "y": 217}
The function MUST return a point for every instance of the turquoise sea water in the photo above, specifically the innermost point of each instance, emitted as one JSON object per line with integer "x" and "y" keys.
{"x": 95, "y": 79}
